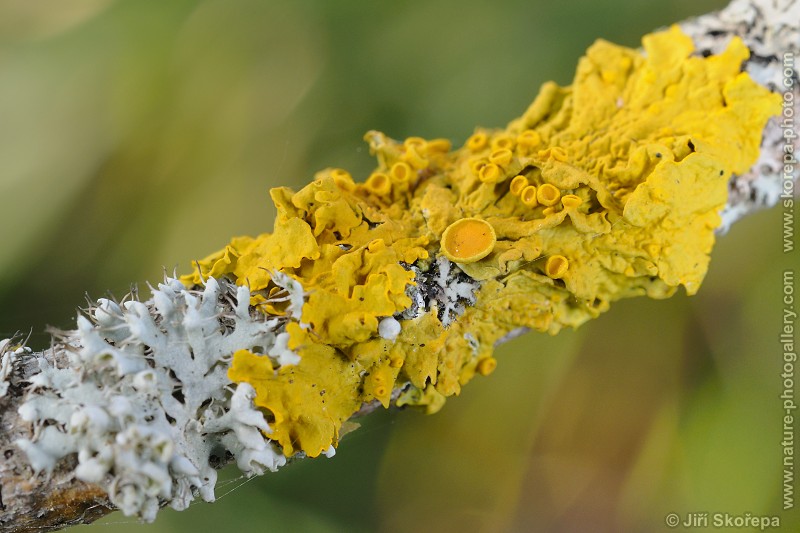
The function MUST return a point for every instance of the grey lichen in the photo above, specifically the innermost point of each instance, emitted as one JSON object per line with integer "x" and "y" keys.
{"x": 10, "y": 353}
{"x": 441, "y": 286}
{"x": 140, "y": 393}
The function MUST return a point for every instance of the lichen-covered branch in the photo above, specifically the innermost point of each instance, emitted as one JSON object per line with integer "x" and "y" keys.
{"x": 771, "y": 31}
{"x": 134, "y": 407}
{"x": 606, "y": 189}
{"x": 393, "y": 289}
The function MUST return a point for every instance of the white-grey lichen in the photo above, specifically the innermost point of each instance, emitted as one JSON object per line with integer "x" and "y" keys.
{"x": 444, "y": 287}
{"x": 294, "y": 294}
{"x": 9, "y": 355}
{"x": 389, "y": 328}
{"x": 456, "y": 290}
{"x": 767, "y": 28}
{"x": 472, "y": 342}
{"x": 140, "y": 393}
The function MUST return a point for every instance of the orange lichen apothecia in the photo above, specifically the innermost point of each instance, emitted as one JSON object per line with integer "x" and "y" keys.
{"x": 401, "y": 284}
{"x": 468, "y": 240}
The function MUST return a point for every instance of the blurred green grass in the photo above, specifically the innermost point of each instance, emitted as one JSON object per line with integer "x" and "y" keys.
{"x": 140, "y": 135}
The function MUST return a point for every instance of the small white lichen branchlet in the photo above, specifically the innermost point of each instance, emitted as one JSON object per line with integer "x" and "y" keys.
{"x": 10, "y": 353}
{"x": 140, "y": 393}
{"x": 296, "y": 296}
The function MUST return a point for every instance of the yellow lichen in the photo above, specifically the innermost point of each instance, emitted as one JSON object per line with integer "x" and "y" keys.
{"x": 501, "y": 157}
{"x": 486, "y": 366}
{"x": 379, "y": 184}
{"x": 556, "y": 266}
{"x": 571, "y": 201}
{"x": 548, "y": 194}
{"x": 477, "y": 141}
{"x": 490, "y": 173}
{"x": 617, "y": 184}
{"x": 518, "y": 184}
{"x": 468, "y": 240}
{"x": 528, "y": 140}
{"x": 528, "y": 196}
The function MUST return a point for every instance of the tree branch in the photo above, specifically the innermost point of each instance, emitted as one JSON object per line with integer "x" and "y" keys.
{"x": 771, "y": 32}
{"x": 139, "y": 406}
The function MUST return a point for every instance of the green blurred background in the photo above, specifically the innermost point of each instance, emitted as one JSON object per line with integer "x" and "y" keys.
{"x": 139, "y": 135}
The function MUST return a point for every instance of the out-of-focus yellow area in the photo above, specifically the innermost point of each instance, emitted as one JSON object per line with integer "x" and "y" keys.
{"x": 141, "y": 135}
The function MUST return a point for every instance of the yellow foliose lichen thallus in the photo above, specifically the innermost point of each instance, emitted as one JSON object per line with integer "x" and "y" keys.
{"x": 604, "y": 189}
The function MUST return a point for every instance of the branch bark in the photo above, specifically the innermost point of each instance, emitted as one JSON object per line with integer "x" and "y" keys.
{"x": 54, "y": 497}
